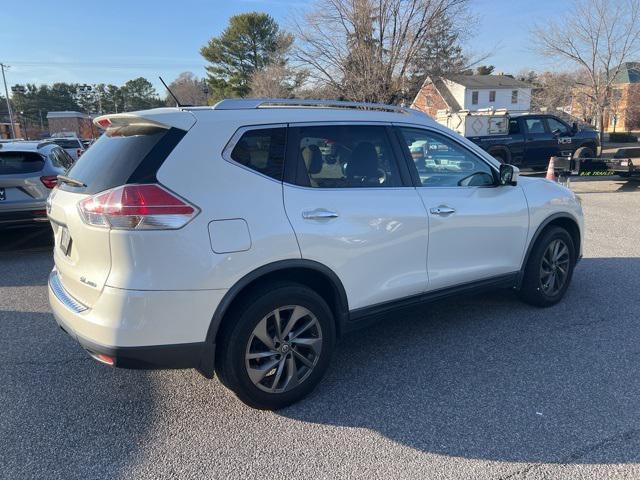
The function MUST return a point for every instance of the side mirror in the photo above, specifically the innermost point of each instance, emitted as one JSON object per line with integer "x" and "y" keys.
{"x": 508, "y": 175}
{"x": 574, "y": 128}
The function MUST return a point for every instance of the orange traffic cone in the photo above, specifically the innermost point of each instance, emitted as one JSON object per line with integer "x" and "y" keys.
{"x": 551, "y": 170}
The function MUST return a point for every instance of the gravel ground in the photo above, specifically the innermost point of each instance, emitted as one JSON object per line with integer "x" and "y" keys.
{"x": 482, "y": 387}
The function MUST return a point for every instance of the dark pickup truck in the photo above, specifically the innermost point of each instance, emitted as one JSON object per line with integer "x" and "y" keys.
{"x": 533, "y": 139}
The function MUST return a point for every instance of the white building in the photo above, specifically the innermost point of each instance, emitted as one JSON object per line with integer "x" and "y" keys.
{"x": 473, "y": 92}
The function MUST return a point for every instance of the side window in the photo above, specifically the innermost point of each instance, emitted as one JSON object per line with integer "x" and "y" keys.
{"x": 60, "y": 158}
{"x": 55, "y": 158}
{"x": 442, "y": 162}
{"x": 514, "y": 126}
{"x": 346, "y": 156}
{"x": 534, "y": 125}
{"x": 556, "y": 125}
{"x": 262, "y": 150}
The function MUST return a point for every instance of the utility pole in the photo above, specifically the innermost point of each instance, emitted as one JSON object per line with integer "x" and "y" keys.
{"x": 6, "y": 93}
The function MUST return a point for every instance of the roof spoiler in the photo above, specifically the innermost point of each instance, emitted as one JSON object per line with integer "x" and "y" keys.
{"x": 156, "y": 119}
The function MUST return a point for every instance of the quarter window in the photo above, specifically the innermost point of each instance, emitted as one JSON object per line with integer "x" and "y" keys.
{"x": 346, "y": 156}
{"x": 442, "y": 162}
{"x": 60, "y": 158}
{"x": 262, "y": 150}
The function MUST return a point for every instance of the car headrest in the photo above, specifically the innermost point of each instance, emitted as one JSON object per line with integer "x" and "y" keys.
{"x": 363, "y": 162}
{"x": 312, "y": 157}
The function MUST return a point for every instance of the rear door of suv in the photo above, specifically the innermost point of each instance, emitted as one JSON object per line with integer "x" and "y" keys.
{"x": 129, "y": 153}
{"x": 353, "y": 208}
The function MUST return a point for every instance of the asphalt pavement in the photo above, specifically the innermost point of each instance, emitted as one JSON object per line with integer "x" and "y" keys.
{"x": 482, "y": 387}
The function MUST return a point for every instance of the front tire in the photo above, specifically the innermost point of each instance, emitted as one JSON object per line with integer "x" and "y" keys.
{"x": 276, "y": 347}
{"x": 549, "y": 269}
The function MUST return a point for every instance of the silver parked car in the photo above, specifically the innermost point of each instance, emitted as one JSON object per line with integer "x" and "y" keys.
{"x": 28, "y": 172}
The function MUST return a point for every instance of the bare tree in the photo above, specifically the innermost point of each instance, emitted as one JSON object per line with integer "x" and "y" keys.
{"x": 368, "y": 49}
{"x": 598, "y": 36}
{"x": 189, "y": 89}
{"x": 276, "y": 80}
{"x": 551, "y": 90}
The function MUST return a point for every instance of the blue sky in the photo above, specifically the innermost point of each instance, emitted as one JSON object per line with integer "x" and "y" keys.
{"x": 113, "y": 41}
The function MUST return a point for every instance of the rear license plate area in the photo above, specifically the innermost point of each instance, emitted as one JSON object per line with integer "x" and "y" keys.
{"x": 65, "y": 240}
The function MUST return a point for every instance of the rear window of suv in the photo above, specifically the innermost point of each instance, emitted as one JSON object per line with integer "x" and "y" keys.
{"x": 115, "y": 160}
{"x": 12, "y": 163}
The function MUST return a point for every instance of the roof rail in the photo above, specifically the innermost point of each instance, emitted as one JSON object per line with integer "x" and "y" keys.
{"x": 249, "y": 103}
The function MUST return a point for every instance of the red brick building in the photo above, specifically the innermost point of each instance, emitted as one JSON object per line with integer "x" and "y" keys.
{"x": 79, "y": 123}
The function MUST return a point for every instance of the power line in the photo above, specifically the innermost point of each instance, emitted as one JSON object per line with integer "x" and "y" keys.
{"x": 150, "y": 65}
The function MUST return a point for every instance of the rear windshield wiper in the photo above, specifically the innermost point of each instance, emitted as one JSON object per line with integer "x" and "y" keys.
{"x": 70, "y": 181}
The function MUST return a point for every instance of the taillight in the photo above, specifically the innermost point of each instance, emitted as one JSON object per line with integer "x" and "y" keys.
{"x": 49, "y": 181}
{"x": 136, "y": 207}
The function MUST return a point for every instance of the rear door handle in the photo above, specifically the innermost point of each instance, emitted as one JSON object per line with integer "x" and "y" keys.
{"x": 442, "y": 210}
{"x": 319, "y": 214}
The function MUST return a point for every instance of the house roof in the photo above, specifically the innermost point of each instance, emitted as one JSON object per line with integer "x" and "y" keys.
{"x": 629, "y": 73}
{"x": 488, "y": 81}
{"x": 445, "y": 93}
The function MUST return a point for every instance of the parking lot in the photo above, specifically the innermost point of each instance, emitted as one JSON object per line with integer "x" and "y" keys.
{"x": 482, "y": 387}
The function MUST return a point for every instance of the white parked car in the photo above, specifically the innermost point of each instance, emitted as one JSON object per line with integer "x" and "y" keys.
{"x": 244, "y": 238}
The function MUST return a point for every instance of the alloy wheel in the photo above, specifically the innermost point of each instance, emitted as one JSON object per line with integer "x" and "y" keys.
{"x": 283, "y": 349}
{"x": 554, "y": 267}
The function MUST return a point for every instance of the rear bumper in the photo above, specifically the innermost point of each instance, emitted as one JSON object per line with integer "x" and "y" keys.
{"x": 22, "y": 218}
{"x": 138, "y": 329}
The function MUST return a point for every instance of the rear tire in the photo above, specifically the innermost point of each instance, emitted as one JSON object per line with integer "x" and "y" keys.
{"x": 549, "y": 268}
{"x": 275, "y": 348}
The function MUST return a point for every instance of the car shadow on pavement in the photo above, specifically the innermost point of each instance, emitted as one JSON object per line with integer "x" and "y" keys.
{"x": 491, "y": 378}
{"x": 24, "y": 270}
{"x": 63, "y": 413}
{"x": 21, "y": 240}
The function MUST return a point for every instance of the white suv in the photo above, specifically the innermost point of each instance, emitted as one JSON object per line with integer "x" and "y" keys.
{"x": 244, "y": 238}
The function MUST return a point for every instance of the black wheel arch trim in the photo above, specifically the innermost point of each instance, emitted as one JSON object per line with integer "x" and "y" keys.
{"x": 544, "y": 224}
{"x": 206, "y": 366}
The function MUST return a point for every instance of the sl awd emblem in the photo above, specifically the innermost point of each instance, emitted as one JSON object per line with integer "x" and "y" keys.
{"x": 88, "y": 282}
